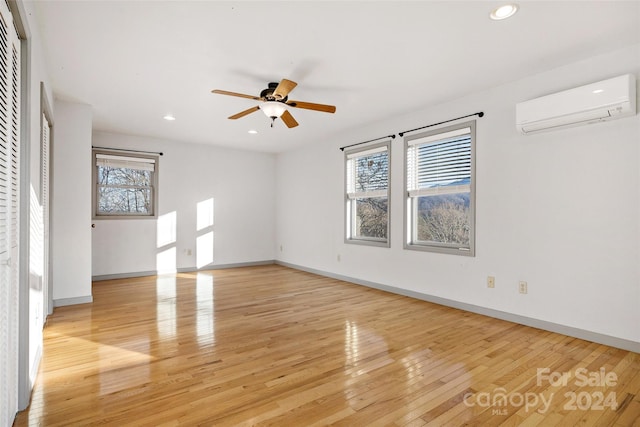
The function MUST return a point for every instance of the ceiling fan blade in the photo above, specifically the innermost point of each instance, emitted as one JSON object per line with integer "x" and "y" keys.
{"x": 284, "y": 88}
{"x": 311, "y": 106}
{"x": 244, "y": 113}
{"x": 288, "y": 119}
{"x": 241, "y": 95}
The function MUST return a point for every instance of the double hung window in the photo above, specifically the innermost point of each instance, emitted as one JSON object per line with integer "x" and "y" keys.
{"x": 125, "y": 185}
{"x": 367, "y": 195}
{"x": 439, "y": 213}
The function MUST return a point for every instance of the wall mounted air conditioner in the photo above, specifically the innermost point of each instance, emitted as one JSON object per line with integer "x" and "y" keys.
{"x": 606, "y": 100}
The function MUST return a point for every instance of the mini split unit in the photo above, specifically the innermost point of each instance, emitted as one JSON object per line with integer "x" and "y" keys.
{"x": 606, "y": 100}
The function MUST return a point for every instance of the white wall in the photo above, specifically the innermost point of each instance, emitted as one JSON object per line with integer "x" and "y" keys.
{"x": 241, "y": 184}
{"x": 559, "y": 210}
{"x": 71, "y": 200}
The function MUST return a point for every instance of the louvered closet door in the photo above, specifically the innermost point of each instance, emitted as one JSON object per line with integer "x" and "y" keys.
{"x": 45, "y": 213}
{"x": 9, "y": 218}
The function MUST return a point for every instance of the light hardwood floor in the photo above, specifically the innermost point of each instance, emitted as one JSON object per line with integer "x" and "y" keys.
{"x": 270, "y": 345}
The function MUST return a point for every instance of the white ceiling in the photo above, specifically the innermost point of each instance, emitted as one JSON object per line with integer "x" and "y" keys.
{"x": 135, "y": 61}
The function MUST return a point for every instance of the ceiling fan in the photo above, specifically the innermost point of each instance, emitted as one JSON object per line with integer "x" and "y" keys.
{"x": 275, "y": 103}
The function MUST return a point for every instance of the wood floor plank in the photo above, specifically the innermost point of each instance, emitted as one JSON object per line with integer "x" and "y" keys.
{"x": 269, "y": 345}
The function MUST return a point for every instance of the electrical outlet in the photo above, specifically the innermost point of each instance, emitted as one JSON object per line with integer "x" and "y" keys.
{"x": 338, "y": 257}
{"x": 522, "y": 287}
{"x": 280, "y": 248}
{"x": 491, "y": 282}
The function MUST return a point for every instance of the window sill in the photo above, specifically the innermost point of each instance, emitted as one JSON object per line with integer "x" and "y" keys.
{"x": 440, "y": 249}
{"x": 367, "y": 242}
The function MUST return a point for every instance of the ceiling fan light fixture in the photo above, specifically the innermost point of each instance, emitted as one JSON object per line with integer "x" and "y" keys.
{"x": 275, "y": 103}
{"x": 273, "y": 109}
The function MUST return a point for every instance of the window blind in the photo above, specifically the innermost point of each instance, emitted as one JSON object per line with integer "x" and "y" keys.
{"x": 439, "y": 164}
{"x": 368, "y": 173}
{"x": 113, "y": 161}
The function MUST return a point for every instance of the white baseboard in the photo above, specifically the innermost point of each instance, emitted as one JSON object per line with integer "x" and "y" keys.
{"x": 515, "y": 318}
{"x": 102, "y": 277}
{"x": 60, "y": 302}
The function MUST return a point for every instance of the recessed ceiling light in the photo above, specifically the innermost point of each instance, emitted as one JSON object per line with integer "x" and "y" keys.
{"x": 169, "y": 117}
{"x": 598, "y": 91}
{"x": 253, "y": 132}
{"x": 504, "y": 12}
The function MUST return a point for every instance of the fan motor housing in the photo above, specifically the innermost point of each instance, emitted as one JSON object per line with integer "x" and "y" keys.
{"x": 267, "y": 94}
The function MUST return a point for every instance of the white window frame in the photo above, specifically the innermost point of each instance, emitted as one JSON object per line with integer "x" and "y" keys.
{"x": 125, "y": 159}
{"x": 412, "y": 192}
{"x": 351, "y": 195}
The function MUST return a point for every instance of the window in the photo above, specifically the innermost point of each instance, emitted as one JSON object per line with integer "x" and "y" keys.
{"x": 439, "y": 214}
{"x": 367, "y": 195}
{"x": 124, "y": 185}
